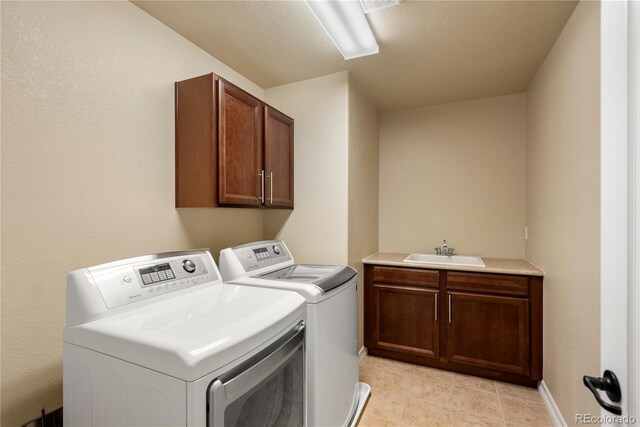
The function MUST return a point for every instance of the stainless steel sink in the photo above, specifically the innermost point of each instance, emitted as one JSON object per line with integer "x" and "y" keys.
{"x": 463, "y": 261}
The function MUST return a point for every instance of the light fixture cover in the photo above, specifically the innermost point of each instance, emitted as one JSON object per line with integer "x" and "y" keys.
{"x": 372, "y": 5}
{"x": 346, "y": 25}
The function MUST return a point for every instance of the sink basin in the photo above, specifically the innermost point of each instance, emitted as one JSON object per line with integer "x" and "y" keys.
{"x": 463, "y": 261}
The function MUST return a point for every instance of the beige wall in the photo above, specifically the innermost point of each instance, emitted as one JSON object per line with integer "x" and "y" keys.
{"x": 563, "y": 205}
{"x": 316, "y": 230}
{"x": 456, "y": 172}
{"x": 363, "y": 186}
{"x": 335, "y": 220}
{"x": 87, "y": 170}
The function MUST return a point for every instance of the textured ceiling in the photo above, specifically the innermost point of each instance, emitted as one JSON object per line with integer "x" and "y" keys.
{"x": 431, "y": 52}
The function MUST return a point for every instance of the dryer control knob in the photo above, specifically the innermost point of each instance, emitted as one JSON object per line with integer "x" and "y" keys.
{"x": 189, "y": 266}
{"x": 276, "y": 249}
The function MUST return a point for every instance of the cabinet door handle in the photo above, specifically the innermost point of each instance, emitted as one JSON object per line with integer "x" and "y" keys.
{"x": 270, "y": 188}
{"x": 449, "y": 308}
{"x": 261, "y": 175}
{"x": 436, "y": 307}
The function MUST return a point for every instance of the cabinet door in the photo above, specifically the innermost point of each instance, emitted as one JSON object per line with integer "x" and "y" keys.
{"x": 488, "y": 331}
{"x": 278, "y": 143}
{"x": 239, "y": 147}
{"x": 405, "y": 319}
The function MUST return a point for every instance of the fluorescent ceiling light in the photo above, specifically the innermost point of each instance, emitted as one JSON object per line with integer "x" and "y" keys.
{"x": 346, "y": 25}
{"x": 369, "y": 6}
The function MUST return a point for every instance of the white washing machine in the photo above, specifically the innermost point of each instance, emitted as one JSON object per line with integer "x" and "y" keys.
{"x": 335, "y": 397}
{"x": 159, "y": 340}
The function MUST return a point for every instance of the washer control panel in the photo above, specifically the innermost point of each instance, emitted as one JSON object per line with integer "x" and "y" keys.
{"x": 254, "y": 256}
{"x": 122, "y": 284}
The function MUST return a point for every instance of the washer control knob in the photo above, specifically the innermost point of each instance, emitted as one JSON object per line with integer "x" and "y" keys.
{"x": 127, "y": 279}
{"x": 276, "y": 249}
{"x": 189, "y": 266}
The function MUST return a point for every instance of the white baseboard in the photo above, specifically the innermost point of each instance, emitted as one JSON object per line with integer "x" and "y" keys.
{"x": 552, "y": 408}
{"x": 361, "y": 354}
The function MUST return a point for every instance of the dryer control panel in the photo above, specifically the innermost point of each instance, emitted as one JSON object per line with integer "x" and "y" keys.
{"x": 138, "y": 279}
{"x": 254, "y": 256}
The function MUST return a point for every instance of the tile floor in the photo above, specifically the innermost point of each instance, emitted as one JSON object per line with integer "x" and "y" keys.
{"x": 410, "y": 395}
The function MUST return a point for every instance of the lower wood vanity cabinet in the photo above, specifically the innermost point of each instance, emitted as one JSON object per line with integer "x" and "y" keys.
{"x": 401, "y": 295}
{"x": 475, "y": 323}
{"x": 488, "y": 331}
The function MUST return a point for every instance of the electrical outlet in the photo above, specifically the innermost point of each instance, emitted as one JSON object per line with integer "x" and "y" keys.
{"x": 526, "y": 233}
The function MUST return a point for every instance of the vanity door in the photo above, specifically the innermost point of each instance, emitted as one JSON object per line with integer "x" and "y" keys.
{"x": 488, "y": 331}
{"x": 404, "y": 311}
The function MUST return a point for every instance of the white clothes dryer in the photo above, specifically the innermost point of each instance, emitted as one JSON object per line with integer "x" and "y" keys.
{"x": 159, "y": 340}
{"x": 335, "y": 397}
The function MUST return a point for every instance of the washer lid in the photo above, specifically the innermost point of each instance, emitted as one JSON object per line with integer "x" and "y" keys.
{"x": 325, "y": 277}
{"x": 195, "y": 333}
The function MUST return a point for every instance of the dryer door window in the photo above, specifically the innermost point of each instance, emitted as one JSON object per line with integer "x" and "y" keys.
{"x": 266, "y": 391}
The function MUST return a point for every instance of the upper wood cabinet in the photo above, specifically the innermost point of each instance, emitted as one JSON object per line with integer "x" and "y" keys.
{"x": 240, "y": 163}
{"x": 231, "y": 148}
{"x": 278, "y": 158}
{"x": 196, "y": 142}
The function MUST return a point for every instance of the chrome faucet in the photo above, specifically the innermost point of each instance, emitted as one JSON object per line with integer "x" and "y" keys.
{"x": 445, "y": 250}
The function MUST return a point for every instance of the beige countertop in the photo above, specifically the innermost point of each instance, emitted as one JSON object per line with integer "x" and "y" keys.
{"x": 492, "y": 265}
